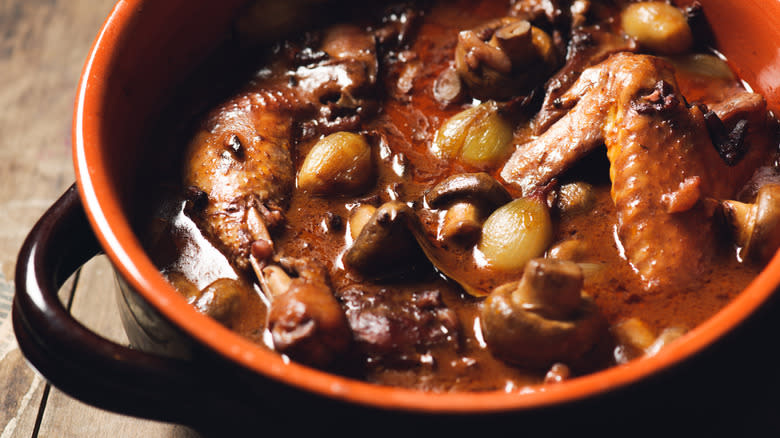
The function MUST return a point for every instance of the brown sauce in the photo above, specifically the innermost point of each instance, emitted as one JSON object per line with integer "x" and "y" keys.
{"x": 402, "y": 130}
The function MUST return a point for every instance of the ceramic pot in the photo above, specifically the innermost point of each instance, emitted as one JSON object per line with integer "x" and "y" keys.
{"x": 185, "y": 367}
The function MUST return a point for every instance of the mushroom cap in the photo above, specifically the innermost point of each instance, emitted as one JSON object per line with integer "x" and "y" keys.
{"x": 756, "y": 226}
{"x": 385, "y": 244}
{"x": 550, "y": 288}
{"x": 521, "y": 330}
{"x": 479, "y": 188}
{"x": 503, "y": 58}
{"x": 765, "y": 239}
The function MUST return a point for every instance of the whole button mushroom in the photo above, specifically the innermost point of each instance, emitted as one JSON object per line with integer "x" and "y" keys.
{"x": 220, "y": 299}
{"x": 756, "y": 226}
{"x": 503, "y": 58}
{"x": 307, "y": 323}
{"x": 385, "y": 243}
{"x": 542, "y": 319}
{"x": 468, "y": 198}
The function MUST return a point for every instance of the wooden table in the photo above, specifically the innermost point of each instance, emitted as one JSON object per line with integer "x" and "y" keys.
{"x": 43, "y": 46}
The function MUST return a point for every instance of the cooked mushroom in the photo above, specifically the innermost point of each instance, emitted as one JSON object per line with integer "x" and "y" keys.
{"x": 634, "y": 338}
{"x": 476, "y": 187}
{"x": 573, "y": 250}
{"x": 560, "y": 15}
{"x": 274, "y": 281}
{"x": 385, "y": 243}
{"x": 359, "y": 218}
{"x": 503, "y": 58}
{"x": 448, "y": 88}
{"x": 305, "y": 319}
{"x": 468, "y": 198}
{"x": 578, "y": 251}
{"x": 221, "y": 299}
{"x": 756, "y": 226}
{"x": 462, "y": 223}
{"x": 542, "y": 319}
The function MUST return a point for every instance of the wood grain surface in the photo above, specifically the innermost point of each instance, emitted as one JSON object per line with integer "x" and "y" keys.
{"x": 43, "y": 46}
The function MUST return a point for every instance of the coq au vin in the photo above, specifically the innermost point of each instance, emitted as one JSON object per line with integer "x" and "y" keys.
{"x": 473, "y": 194}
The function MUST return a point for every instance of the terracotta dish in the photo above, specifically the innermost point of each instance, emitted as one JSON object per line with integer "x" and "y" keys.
{"x": 185, "y": 367}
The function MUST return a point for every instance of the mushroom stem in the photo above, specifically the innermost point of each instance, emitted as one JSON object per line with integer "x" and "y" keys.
{"x": 359, "y": 218}
{"x": 550, "y": 288}
{"x": 542, "y": 319}
{"x": 461, "y": 223}
{"x": 276, "y": 281}
{"x": 256, "y": 225}
{"x": 515, "y": 40}
{"x": 385, "y": 245}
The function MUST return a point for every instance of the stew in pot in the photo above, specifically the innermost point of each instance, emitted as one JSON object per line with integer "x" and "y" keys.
{"x": 472, "y": 194}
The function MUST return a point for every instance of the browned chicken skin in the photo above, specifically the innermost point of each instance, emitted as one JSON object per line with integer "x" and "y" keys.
{"x": 663, "y": 164}
{"x": 240, "y": 172}
{"x": 239, "y": 164}
{"x": 243, "y": 164}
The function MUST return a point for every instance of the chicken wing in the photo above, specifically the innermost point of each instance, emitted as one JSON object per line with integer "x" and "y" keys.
{"x": 664, "y": 167}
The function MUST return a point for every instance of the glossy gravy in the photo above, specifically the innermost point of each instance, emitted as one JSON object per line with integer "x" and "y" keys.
{"x": 401, "y": 131}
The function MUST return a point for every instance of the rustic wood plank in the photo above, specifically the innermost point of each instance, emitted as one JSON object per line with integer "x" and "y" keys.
{"x": 22, "y": 395}
{"x": 22, "y": 388}
{"x": 43, "y": 46}
{"x": 24, "y": 391}
{"x": 94, "y": 305}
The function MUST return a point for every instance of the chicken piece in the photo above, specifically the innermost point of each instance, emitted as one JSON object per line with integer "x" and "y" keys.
{"x": 663, "y": 163}
{"x": 577, "y": 133}
{"x": 587, "y": 47}
{"x": 656, "y": 158}
{"x": 243, "y": 165}
{"x": 305, "y": 320}
{"x": 239, "y": 167}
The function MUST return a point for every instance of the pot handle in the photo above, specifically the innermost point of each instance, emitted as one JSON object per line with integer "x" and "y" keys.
{"x": 71, "y": 357}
